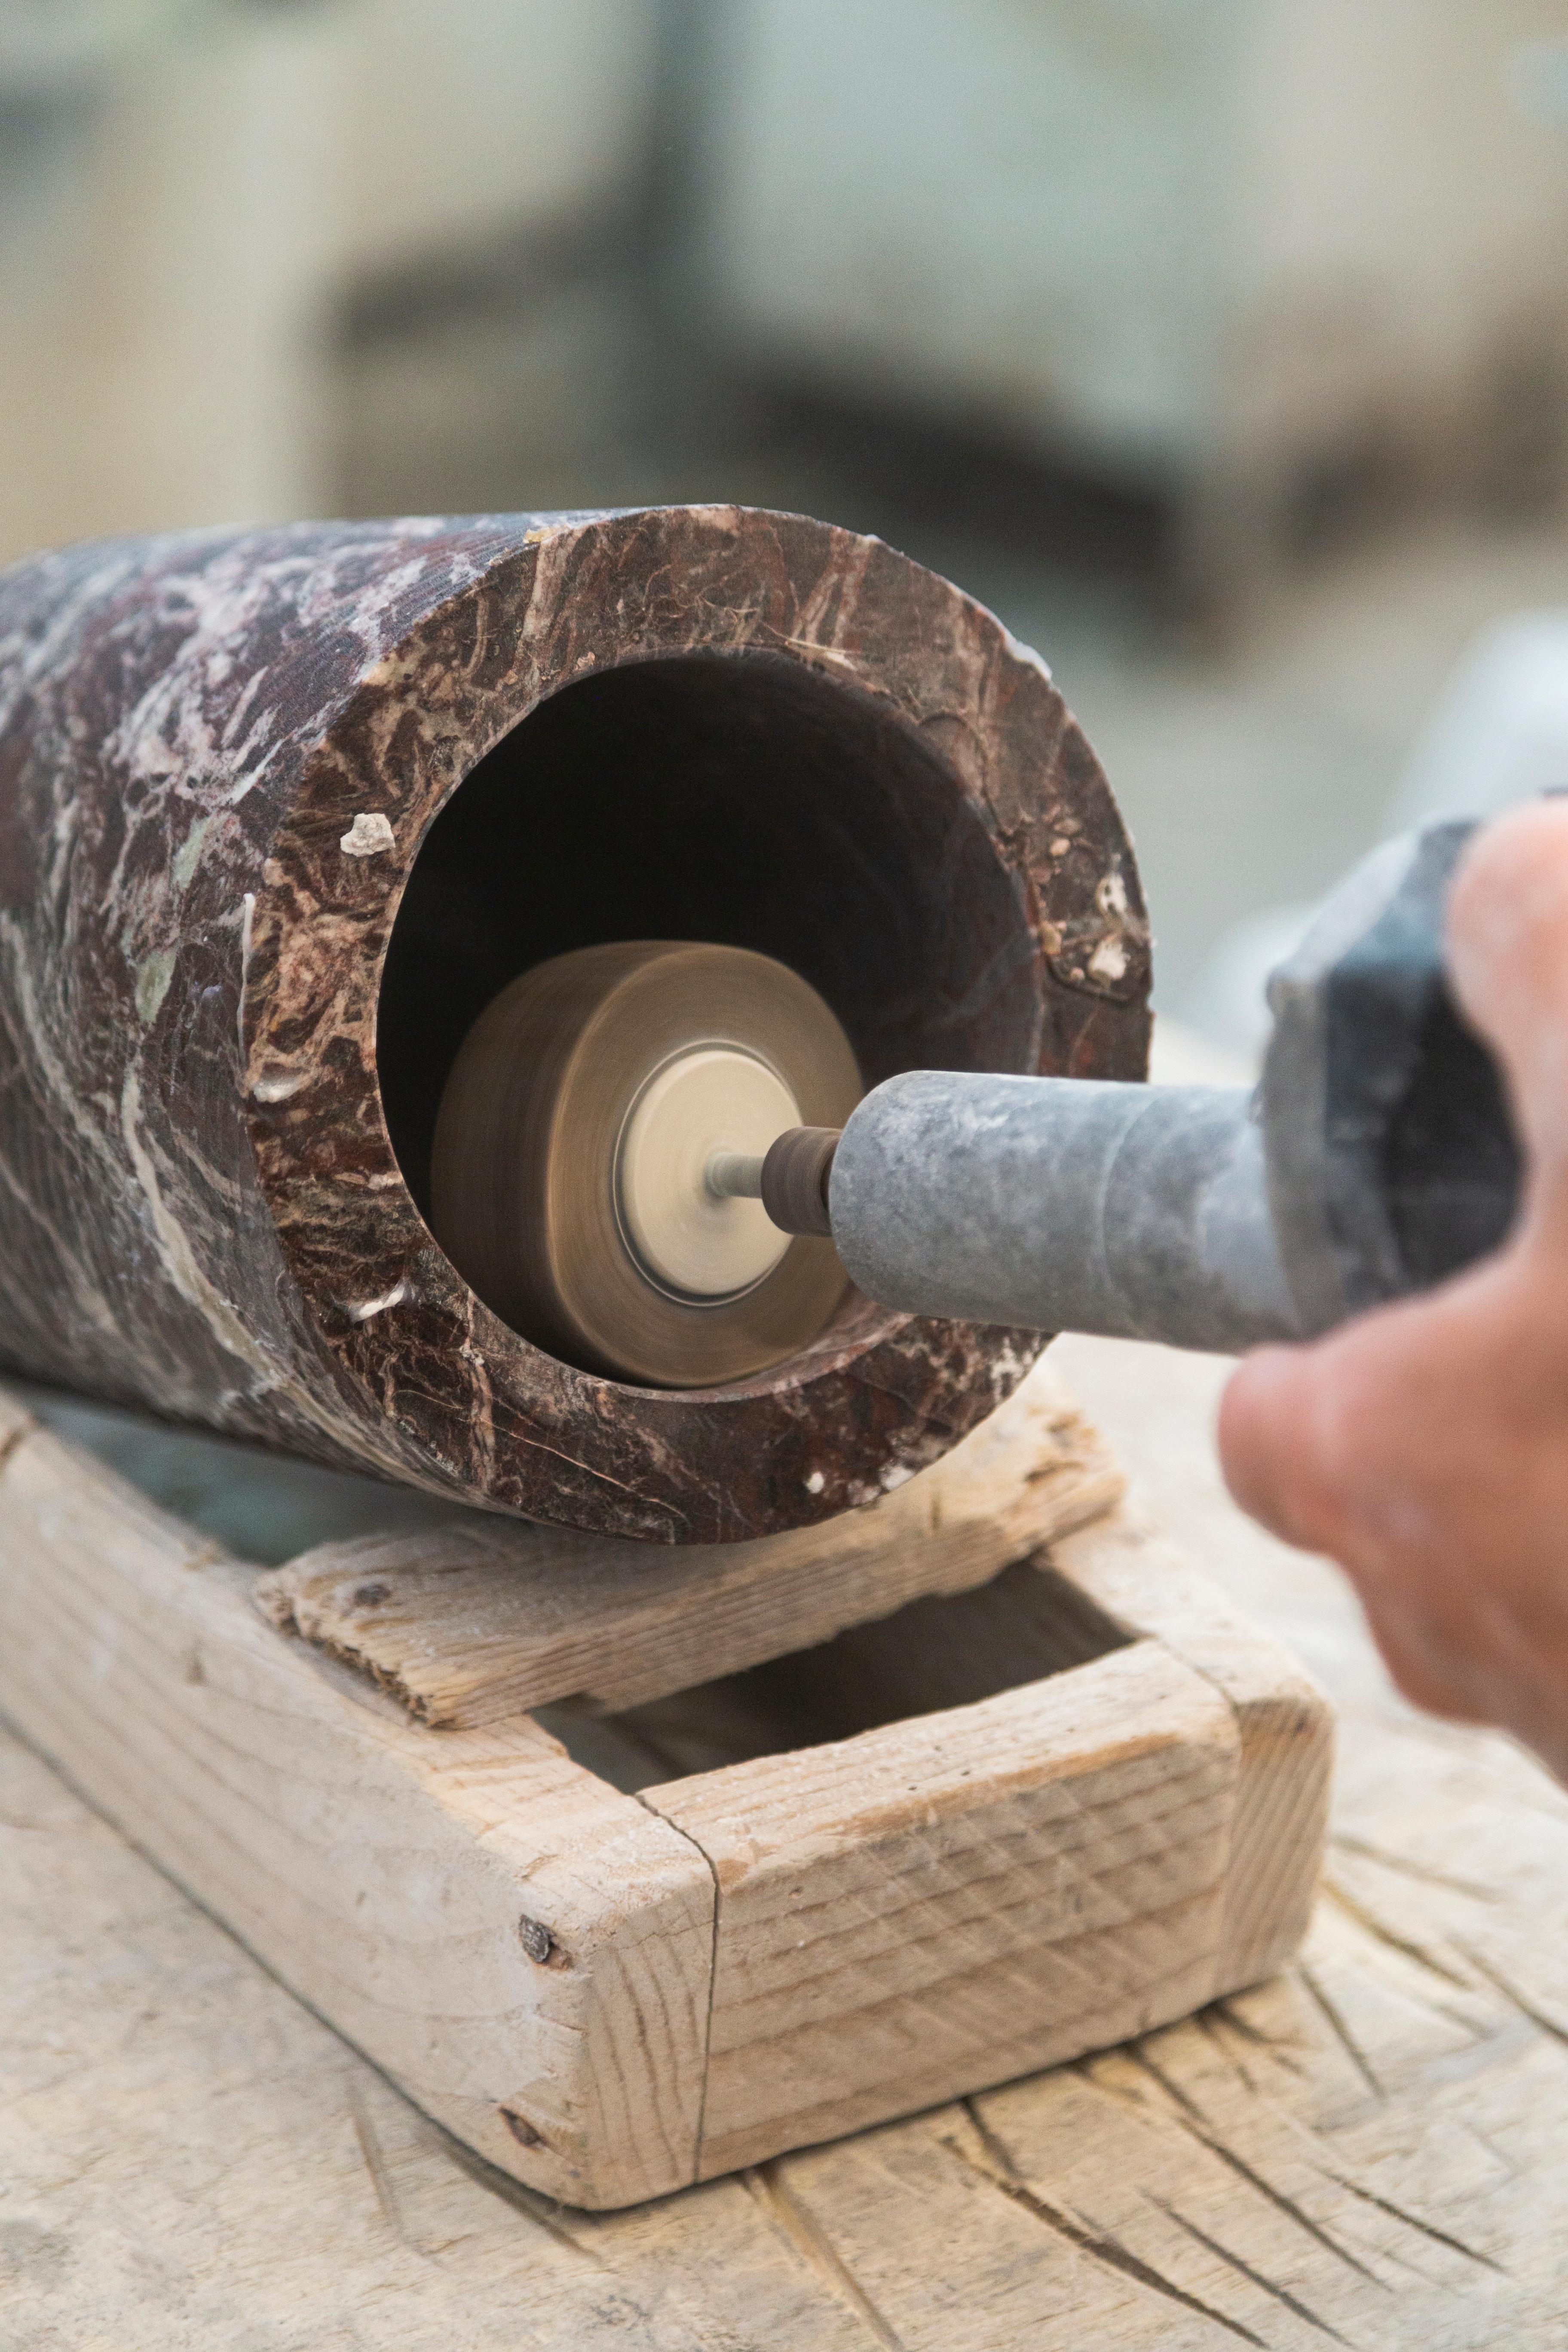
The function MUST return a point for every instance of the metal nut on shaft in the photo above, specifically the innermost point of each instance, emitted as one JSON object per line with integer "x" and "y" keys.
{"x": 796, "y": 1169}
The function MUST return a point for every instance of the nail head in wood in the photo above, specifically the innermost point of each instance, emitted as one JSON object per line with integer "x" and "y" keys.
{"x": 536, "y": 1940}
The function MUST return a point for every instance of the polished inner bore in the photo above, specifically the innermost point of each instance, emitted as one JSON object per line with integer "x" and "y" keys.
{"x": 711, "y": 1105}
{"x": 746, "y": 800}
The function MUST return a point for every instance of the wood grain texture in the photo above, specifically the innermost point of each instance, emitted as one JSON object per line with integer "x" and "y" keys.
{"x": 381, "y": 1871}
{"x": 469, "y": 1626}
{"x": 189, "y": 2156}
{"x": 946, "y": 1902}
{"x": 1285, "y": 1724}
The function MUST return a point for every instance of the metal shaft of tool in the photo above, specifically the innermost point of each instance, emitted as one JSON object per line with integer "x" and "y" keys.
{"x": 1063, "y": 1204}
{"x": 735, "y": 1176}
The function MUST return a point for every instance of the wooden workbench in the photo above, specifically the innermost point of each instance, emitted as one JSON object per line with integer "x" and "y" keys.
{"x": 1371, "y": 2150}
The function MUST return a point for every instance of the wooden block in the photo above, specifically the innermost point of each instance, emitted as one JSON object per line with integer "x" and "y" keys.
{"x": 997, "y": 1827}
{"x": 943, "y": 1904}
{"x": 470, "y": 1625}
{"x": 1284, "y": 1721}
{"x": 402, "y": 1881}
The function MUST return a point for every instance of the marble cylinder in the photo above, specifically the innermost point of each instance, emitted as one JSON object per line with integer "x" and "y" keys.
{"x": 281, "y": 809}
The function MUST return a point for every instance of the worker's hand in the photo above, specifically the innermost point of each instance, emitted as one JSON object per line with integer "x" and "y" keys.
{"x": 1424, "y": 1446}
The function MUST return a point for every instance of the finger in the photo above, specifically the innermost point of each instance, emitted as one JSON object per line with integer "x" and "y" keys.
{"x": 1431, "y": 1670}
{"x": 1268, "y": 1449}
{"x": 1325, "y": 1445}
{"x": 1508, "y": 956}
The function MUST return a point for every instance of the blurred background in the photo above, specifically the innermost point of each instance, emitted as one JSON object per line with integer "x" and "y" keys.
{"x": 1221, "y": 346}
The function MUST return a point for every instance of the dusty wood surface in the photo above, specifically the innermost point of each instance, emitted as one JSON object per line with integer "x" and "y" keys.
{"x": 472, "y": 1623}
{"x": 1370, "y": 2149}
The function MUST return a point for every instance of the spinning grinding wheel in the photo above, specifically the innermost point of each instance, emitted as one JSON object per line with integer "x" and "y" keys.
{"x": 597, "y": 1123}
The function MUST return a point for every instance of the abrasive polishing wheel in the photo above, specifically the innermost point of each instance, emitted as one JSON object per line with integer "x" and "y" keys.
{"x": 586, "y": 1109}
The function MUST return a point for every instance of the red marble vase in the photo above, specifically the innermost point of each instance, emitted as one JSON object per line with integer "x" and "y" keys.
{"x": 281, "y": 811}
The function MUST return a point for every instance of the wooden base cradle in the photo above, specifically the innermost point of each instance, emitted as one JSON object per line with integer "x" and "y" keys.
{"x": 632, "y": 1867}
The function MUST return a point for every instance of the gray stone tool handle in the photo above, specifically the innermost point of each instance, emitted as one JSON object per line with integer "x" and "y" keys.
{"x": 1392, "y": 1158}
{"x": 1377, "y": 1157}
{"x": 1066, "y": 1203}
